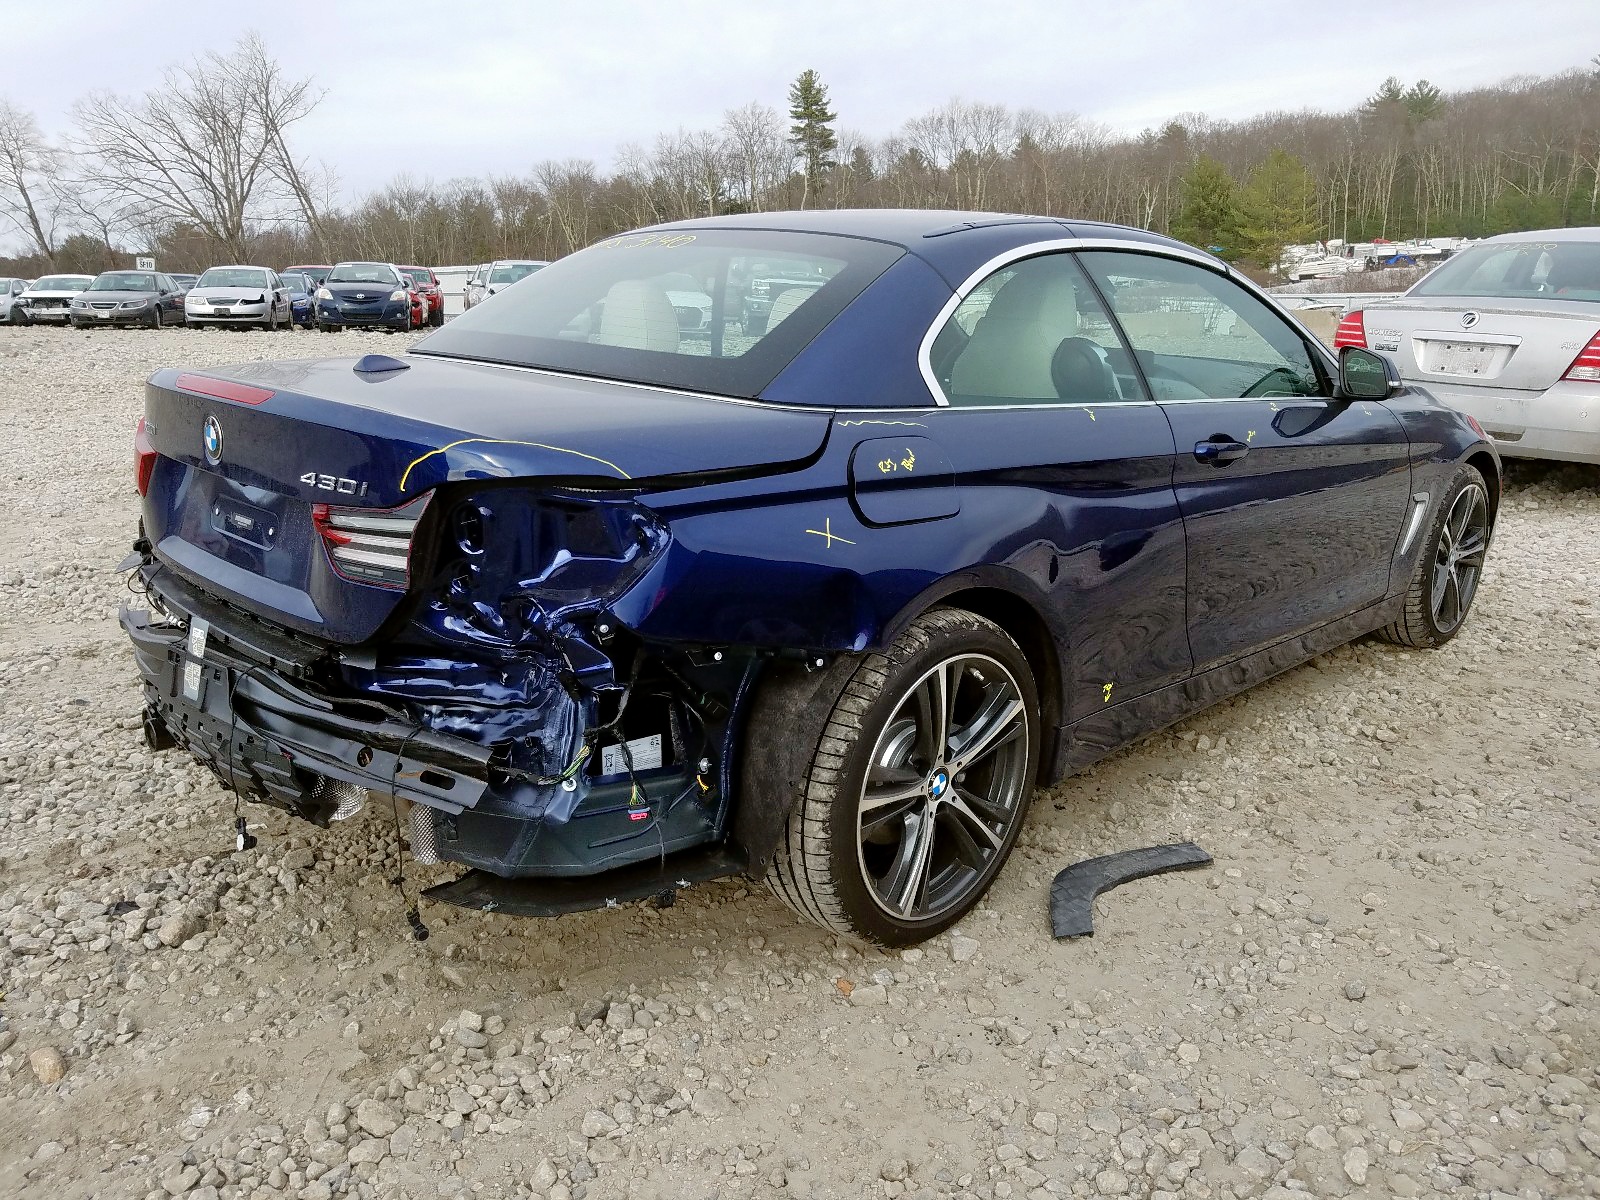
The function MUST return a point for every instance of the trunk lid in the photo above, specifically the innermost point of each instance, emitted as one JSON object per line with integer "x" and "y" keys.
{"x": 1481, "y": 342}
{"x": 252, "y": 459}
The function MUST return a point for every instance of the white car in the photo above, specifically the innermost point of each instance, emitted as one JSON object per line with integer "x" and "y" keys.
{"x": 1507, "y": 332}
{"x": 49, "y": 298}
{"x": 12, "y": 310}
{"x": 496, "y": 276}
{"x": 239, "y": 296}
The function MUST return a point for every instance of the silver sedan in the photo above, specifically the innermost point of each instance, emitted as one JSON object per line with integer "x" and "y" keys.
{"x": 1507, "y": 332}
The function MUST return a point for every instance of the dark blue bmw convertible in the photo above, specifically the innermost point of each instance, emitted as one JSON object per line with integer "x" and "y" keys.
{"x": 611, "y": 589}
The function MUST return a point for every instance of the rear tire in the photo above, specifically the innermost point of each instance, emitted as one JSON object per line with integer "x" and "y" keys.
{"x": 1449, "y": 566}
{"x": 155, "y": 319}
{"x": 919, "y": 786}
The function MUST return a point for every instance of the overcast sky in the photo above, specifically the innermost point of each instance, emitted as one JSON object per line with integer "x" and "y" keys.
{"x": 473, "y": 87}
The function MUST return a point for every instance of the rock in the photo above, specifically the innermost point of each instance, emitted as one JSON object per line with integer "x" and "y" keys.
{"x": 178, "y": 928}
{"x": 1408, "y": 1120}
{"x": 369, "y": 1150}
{"x": 893, "y": 1169}
{"x": 868, "y": 994}
{"x": 470, "y": 1020}
{"x": 300, "y": 859}
{"x": 402, "y": 1141}
{"x": 598, "y": 1124}
{"x": 48, "y": 1065}
{"x": 1046, "y": 1122}
{"x": 1355, "y": 990}
{"x": 1355, "y": 1165}
{"x": 471, "y": 1039}
{"x": 1254, "y": 1161}
{"x": 181, "y": 1181}
{"x": 962, "y": 948}
{"x": 544, "y": 1174}
{"x": 709, "y": 1102}
{"x": 1321, "y": 1138}
{"x": 376, "y": 1118}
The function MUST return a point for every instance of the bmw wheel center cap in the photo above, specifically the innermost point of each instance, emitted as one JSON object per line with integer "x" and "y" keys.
{"x": 938, "y": 784}
{"x": 211, "y": 435}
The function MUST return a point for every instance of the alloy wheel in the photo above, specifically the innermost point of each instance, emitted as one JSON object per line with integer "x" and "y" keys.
{"x": 945, "y": 783}
{"x": 1458, "y": 560}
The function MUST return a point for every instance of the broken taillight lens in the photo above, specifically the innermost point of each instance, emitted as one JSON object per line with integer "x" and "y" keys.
{"x": 144, "y": 458}
{"x": 1586, "y": 367}
{"x": 370, "y": 545}
{"x": 1352, "y": 331}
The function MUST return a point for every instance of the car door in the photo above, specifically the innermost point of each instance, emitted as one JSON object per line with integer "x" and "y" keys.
{"x": 1047, "y": 416}
{"x": 1292, "y": 499}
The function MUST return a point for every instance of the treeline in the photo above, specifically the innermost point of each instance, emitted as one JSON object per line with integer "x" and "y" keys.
{"x": 214, "y": 177}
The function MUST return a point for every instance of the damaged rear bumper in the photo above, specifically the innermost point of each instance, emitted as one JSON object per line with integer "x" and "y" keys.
{"x": 274, "y": 741}
{"x": 267, "y": 712}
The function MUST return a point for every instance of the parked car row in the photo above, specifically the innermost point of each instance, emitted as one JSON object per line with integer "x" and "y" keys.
{"x": 250, "y": 296}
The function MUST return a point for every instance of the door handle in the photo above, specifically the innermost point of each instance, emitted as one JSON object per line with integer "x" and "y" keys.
{"x": 1220, "y": 450}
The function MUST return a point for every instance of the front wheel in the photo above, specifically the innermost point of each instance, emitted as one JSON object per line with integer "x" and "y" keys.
{"x": 155, "y": 318}
{"x": 1449, "y": 568}
{"x": 918, "y": 788}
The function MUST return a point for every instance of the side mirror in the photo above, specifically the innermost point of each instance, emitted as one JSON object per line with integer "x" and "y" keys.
{"x": 1364, "y": 375}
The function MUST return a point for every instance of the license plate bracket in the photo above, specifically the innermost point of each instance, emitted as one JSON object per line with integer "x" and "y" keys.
{"x": 1461, "y": 358}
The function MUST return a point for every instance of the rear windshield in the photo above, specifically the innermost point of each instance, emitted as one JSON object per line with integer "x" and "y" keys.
{"x": 363, "y": 273}
{"x": 676, "y": 309}
{"x": 420, "y": 274}
{"x": 124, "y": 281}
{"x": 1552, "y": 270}
{"x": 296, "y": 282}
{"x": 233, "y": 277}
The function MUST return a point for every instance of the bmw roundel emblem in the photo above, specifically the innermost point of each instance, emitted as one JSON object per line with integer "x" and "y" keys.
{"x": 211, "y": 435}
{"x": 1468, "y": 320}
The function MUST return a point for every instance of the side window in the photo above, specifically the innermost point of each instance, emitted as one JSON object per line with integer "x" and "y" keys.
{"x": 1034, "y": 332}
{"x": 1198, "y": 334}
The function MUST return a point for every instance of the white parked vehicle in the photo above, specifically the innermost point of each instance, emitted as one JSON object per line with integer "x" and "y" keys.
{"x": 49, "y": 298}
{"x": 239, "y": 296}
{"x": 1507, "y": 332}
{"x": 496, "y": 276}
{"x": 12, "y": 310}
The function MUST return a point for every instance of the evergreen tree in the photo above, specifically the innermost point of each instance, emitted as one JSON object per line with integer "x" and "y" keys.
{"x": 1209, "y": 216}
{"x": 1279, "y": 207}
{"x": 1423, "y": 101}
{"x": 811, "y": 131}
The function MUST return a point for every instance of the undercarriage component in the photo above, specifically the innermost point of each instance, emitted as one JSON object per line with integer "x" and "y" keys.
{"x": 554, "y": 896}
{"x": 1073, "y": 891}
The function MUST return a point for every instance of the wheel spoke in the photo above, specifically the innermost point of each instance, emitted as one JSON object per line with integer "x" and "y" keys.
{"x": 961, "y": 840}
{"x": 1441, "y": 584}
{"x": 1450, "y": 610}
{"x": 1471, "y": 547}
{"x": 907, "y": 877}
{"x": 961, "y": 811}
{"x": 987, "y": 731}
{"x": 934, "y": 698}
{"x": 886, "y": 815}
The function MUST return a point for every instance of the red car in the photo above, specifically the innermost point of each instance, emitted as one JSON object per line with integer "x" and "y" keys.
{"x": 428, "y": 283}
{"x": 420, "y": 308}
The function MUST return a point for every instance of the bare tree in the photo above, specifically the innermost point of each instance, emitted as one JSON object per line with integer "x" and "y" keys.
{"x": 208, "y": 148}
{"x": 29, "y": 165}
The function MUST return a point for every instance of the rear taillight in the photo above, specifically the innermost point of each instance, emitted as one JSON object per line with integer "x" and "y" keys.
{"x": 370, "y": 545}
{"x": 144, "y": 458}
{"x": 1352, "y": 331}
{"x": 1586, "y": 367}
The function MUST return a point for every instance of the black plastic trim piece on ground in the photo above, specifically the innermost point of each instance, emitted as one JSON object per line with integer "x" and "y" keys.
{"x": 555, "y": 895}
{"x": 1073, "y": 891}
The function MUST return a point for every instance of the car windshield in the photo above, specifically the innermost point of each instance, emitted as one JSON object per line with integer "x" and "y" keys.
{"x": 295, "y": 282}
{"x": 606, "y": 311}
{"x": 62, "y": 283}
{"x": 124, "y": 281}
{"x": 421, "y": 276}
{"x": 1552, "y": 270}
{"x": 512, "y": 273}
{"x": 362, "y": 273}
{"x": 246, "y": 277}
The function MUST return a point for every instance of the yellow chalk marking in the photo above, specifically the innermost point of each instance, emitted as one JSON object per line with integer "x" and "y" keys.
{"x": 1251, "y": 436}
{"x": 1106, "y": 696}
{"x": 416, "y": 462}
{"x": 910, "y": 460}
{"x": 886, "y": 465}
{"x": 1092, "y": 417}
{"x": 827, "y": 532}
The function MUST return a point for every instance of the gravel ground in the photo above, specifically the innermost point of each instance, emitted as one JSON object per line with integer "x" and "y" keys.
{"x": 1386, "y": 986}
